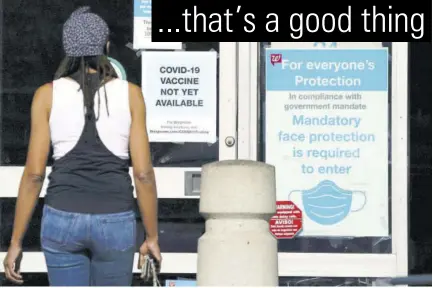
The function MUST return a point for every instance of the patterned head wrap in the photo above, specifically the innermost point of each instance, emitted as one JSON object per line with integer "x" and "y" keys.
{"x": 84, "y": 34}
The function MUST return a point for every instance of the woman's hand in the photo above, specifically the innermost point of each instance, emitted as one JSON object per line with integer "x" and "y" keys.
{"x": 150, "y": 246}
{"x": 11, "y": 262}
{"x": 32, "y": 179}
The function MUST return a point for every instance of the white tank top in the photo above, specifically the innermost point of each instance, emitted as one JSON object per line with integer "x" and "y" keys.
{"x": 67, "y": 117}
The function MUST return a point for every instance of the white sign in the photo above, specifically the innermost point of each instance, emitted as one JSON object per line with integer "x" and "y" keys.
{"x": 179, "y": 89}
{"x": 143, "y": 29}
{"x": 327, "y": 135}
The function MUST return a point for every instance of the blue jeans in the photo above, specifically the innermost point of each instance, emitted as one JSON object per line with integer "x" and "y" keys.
{"x": 88, "y": 250}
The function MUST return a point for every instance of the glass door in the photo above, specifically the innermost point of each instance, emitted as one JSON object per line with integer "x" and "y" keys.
{"x": 374, "y": 242}
{"x": 177, "y": 165}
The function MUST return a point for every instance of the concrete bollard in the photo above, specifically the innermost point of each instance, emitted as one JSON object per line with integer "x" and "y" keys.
{"x": 237, "y": 199}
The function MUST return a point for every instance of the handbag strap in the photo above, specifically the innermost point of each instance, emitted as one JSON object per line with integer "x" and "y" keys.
{"x": 149, "y": 263}
{"x": 154, "y": 274}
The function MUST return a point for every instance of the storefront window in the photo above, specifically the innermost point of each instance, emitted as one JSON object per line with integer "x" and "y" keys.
{"x": 31, "y": 54}
{"x": 323, "y": 230}
{"x": 31, "y": 50}
{"x": 420, "y": 196}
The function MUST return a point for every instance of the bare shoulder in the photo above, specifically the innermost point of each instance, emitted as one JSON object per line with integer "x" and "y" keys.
{"x": 42, "y": 99}
{"x": 135, "y": 96}
{"x": 134, "y": 89}
{"x": 45, "y": 90}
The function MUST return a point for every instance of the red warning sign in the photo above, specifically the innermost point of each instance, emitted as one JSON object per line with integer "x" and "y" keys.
{"x": 287, "y": 223}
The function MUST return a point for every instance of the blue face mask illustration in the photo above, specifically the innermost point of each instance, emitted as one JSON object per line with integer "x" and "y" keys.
{"x": 328, "y": 204}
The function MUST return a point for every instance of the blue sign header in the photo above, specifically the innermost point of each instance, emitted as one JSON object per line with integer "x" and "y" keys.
{"x": 327, "y": 69}
{"x": 142, "y": 8}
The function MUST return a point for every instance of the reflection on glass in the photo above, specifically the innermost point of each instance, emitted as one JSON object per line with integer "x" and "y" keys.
{"x": 41, "y": 279}
{"x": 32, "y": 42}
{"x": 188, "y": 154}
{"x": 180, "y": 225}
{"x": 31, "y": 39}
{"x": 332, "y": 281}
{"x": 329, "y": 244}
{"x": 420, "y": 196}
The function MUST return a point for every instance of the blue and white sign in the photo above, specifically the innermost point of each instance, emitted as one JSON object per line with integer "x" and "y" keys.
{"x": 143, "y": 29}
{"x": 327, "y": 135}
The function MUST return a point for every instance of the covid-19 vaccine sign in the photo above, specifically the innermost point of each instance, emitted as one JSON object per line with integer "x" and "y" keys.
{"x": 180, "y": 91}
{"x": 327, "y": 135}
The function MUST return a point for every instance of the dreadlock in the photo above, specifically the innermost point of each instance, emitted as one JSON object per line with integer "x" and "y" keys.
{"x": 81, "y": 65}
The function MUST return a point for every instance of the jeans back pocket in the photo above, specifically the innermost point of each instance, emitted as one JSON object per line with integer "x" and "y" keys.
{"x": 56, "y": 226}
{"x": 119, "y": 234}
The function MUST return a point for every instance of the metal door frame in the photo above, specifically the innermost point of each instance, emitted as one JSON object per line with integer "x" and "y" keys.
{"x": 330, "y": 264}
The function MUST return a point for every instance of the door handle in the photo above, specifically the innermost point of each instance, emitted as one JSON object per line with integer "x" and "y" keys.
{"x": 230, "y": 141}
{"x": 192, "y": 183}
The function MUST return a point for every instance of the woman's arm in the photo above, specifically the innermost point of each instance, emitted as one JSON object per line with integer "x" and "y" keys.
{"x": 34, "y": 171}
{"x": 144, "y": 177}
